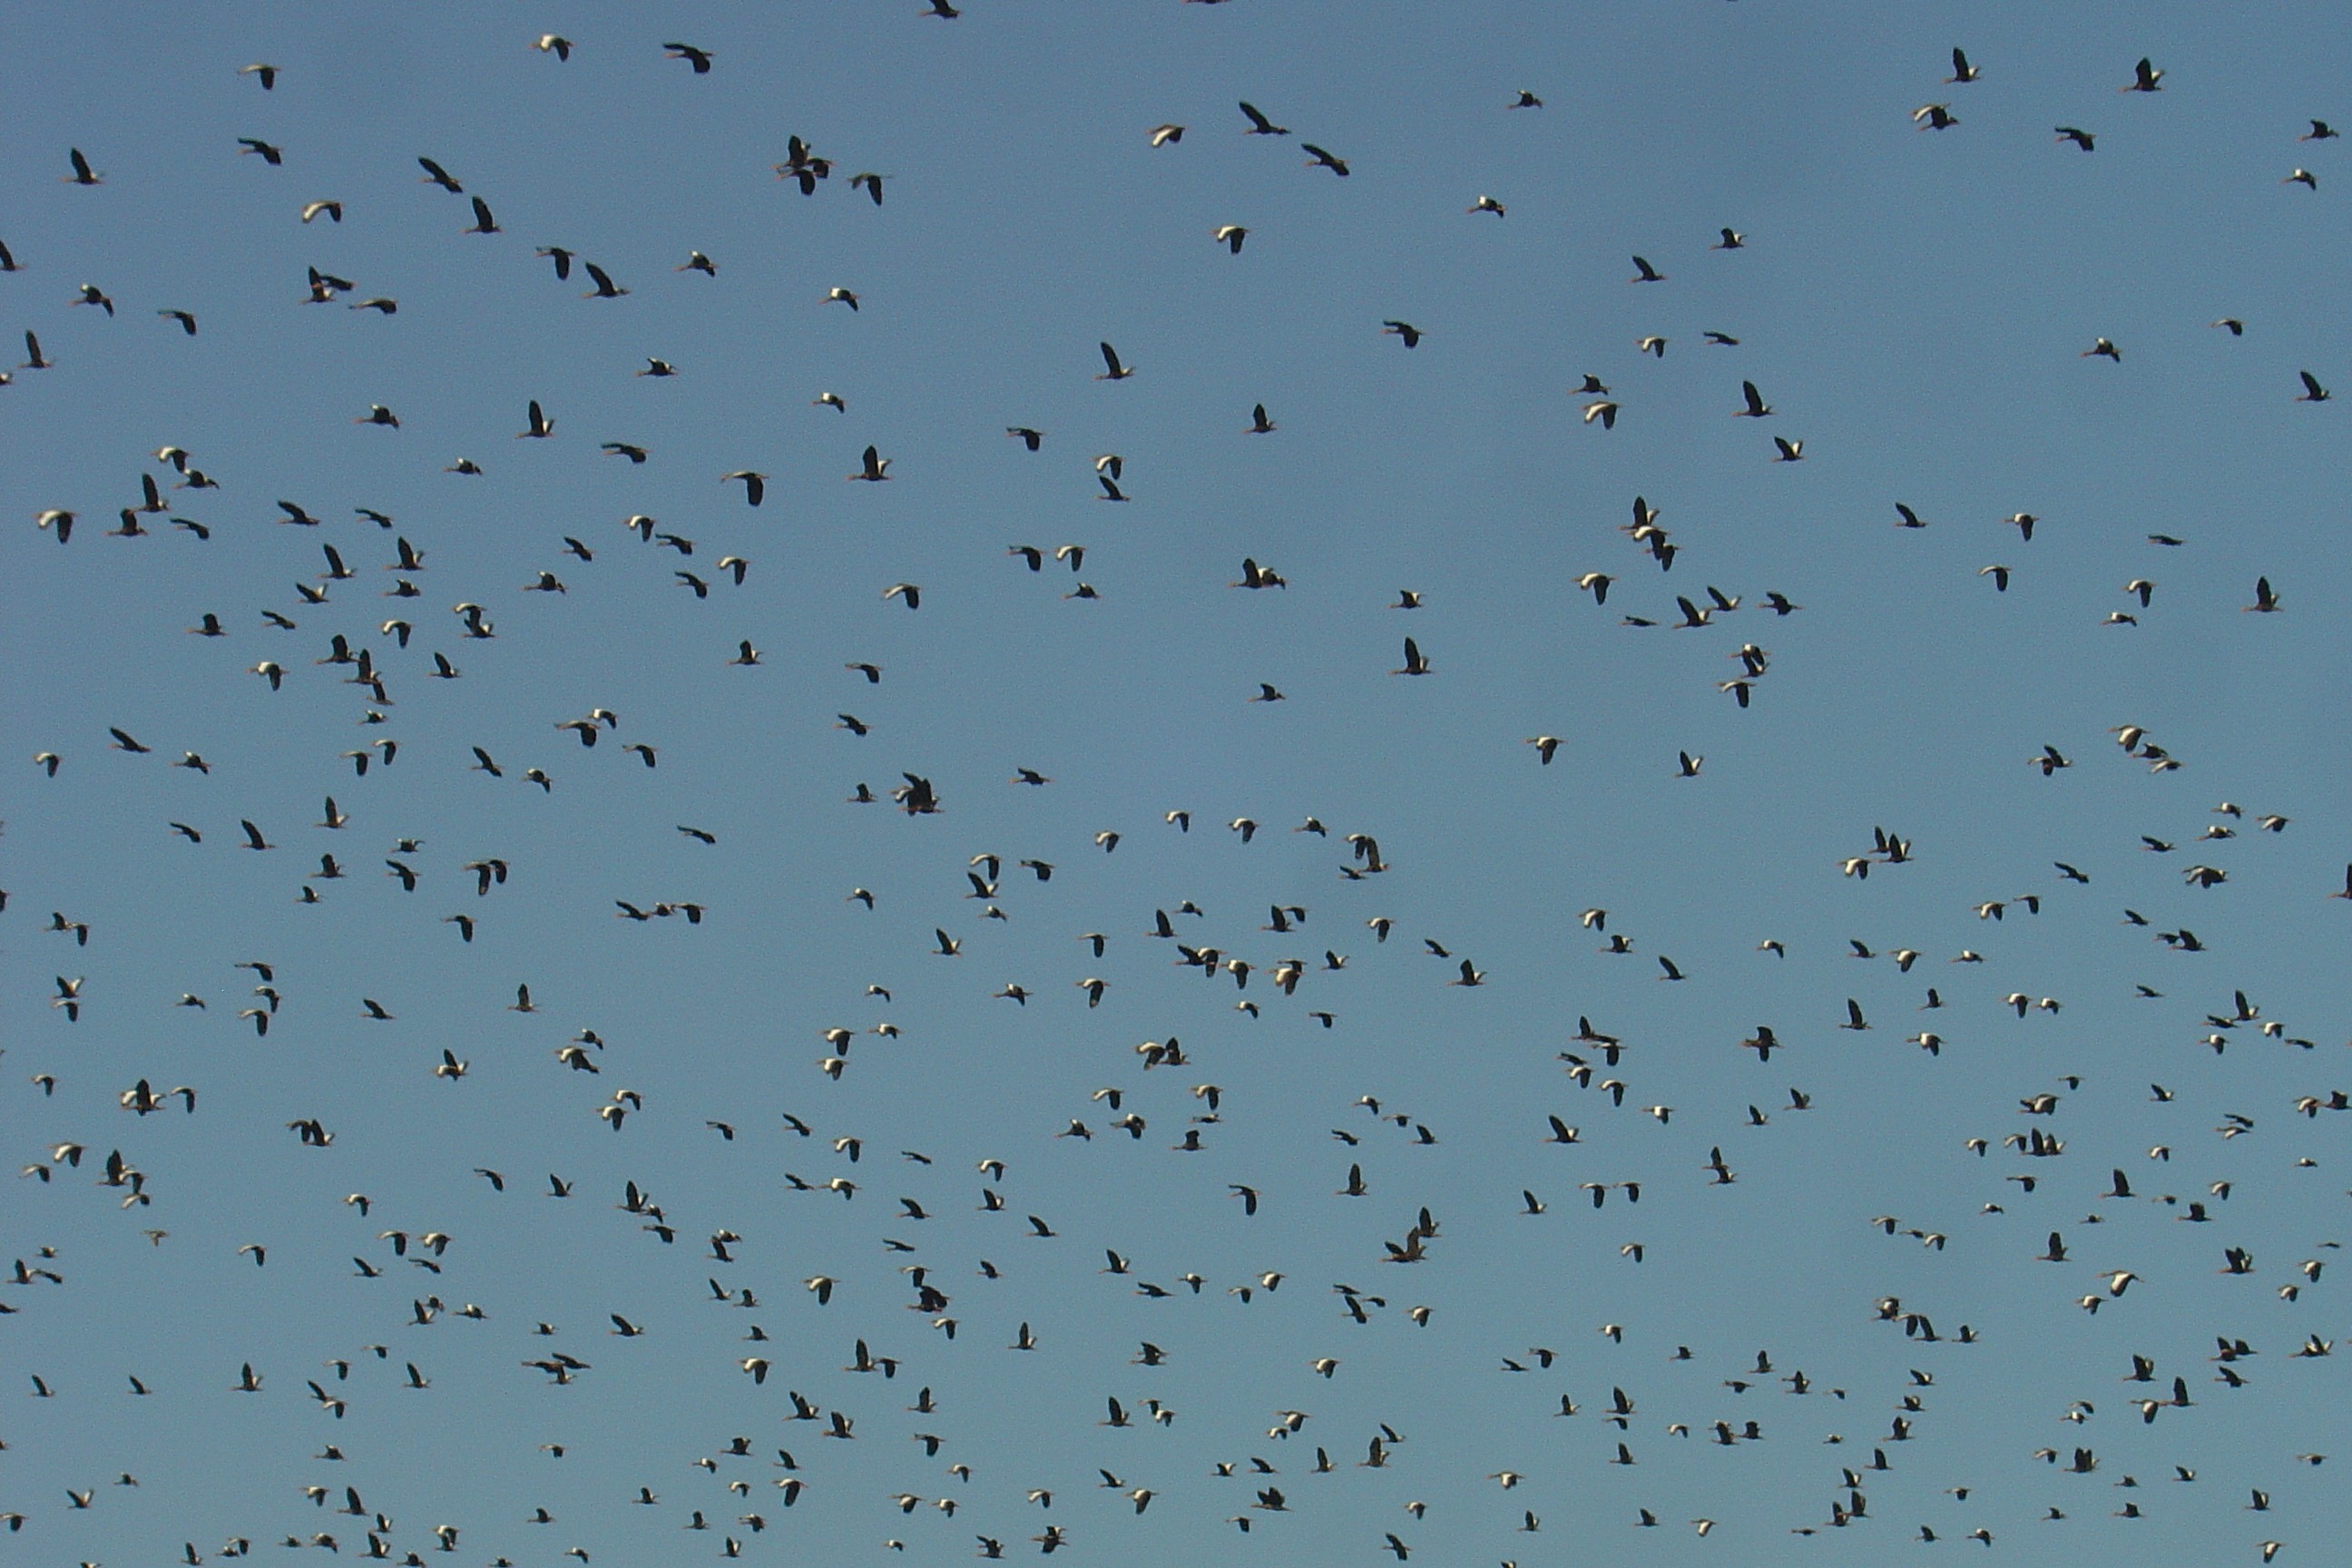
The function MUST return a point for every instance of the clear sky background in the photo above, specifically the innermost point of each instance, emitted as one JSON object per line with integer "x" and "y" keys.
{"x": 1915, "y": 305}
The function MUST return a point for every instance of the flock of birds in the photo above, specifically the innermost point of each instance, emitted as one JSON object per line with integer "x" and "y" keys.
{"x": 817, "y": 1373}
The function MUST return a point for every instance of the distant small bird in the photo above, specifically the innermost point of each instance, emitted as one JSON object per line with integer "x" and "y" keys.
{"x": 1259, "y": 125}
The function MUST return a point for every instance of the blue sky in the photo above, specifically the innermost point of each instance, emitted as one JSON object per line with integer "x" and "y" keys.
{"x": 1915, "y": 306}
